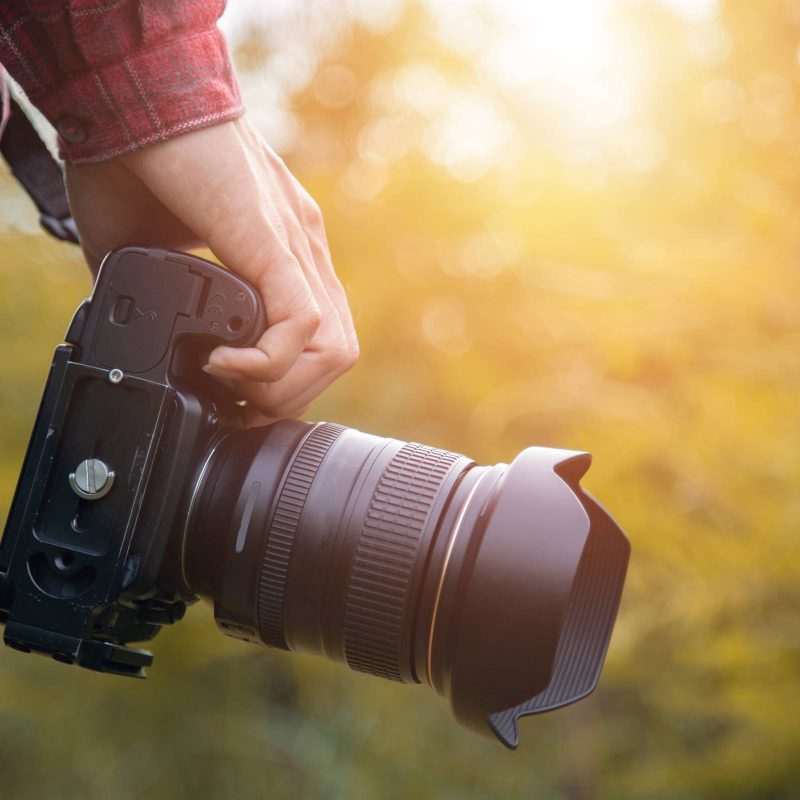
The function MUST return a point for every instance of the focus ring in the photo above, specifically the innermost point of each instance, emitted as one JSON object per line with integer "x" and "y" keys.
{"x": 283, "y": 525}
{"x": 377, "y": 601}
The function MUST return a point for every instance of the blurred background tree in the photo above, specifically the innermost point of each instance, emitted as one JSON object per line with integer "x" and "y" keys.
{"x": 568, "y": 224}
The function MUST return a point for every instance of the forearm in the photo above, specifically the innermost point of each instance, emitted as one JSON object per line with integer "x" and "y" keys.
{"x": 116, "y": 76}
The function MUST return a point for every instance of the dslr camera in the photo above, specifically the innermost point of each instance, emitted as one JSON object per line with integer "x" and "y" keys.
{"x": 142, "y": 491}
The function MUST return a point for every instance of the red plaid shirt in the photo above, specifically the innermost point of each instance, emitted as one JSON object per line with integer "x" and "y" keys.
{"x": 116, "y": 75}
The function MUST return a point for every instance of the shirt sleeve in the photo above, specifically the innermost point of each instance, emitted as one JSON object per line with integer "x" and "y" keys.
{"x": 114, "y": 76}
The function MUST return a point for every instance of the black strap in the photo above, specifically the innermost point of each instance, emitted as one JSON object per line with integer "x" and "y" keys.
{"x": 39, "y": 173}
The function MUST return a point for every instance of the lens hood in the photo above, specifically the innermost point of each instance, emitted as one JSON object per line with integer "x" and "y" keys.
{"x": 526, "y": 611}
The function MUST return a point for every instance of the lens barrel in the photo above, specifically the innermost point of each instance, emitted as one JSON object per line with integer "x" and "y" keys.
{"x": 498, "y": 585}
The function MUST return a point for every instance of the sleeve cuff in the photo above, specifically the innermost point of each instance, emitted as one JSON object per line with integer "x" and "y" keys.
{"x": 184, "y": 84}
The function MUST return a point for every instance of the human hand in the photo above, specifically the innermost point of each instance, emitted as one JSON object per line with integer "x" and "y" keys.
{"x": 224, "y": 188}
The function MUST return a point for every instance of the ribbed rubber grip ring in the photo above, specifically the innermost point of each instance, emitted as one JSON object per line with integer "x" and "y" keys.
{"x": 377, "y": 603}
{"x": 280, "y": 538}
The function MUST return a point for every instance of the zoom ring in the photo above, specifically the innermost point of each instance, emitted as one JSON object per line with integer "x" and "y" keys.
{"x": 378, "y": 591}
{"x": 283, "y": 526}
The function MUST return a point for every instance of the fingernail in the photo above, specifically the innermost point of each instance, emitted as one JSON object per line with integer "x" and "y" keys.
{"x": 220, "y": 372}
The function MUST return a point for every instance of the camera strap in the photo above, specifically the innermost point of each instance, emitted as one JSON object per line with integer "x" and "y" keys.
{"x": 32, "y": 164}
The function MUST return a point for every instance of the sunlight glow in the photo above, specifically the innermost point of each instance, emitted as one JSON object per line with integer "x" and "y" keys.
{"x": 570, "y": 52}
{"x": 574, "y": 58}
{"x": 576, "y": 73}
{"x": 571, "y": 56}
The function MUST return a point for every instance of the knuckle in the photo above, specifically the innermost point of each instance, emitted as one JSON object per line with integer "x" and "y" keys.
{"x": 314, "y": 215}
{"x": 343, "y": 356}
{"x": 351, "y": 355}
{"x": 311, "y": 318}
{"x": 311, "y": 212}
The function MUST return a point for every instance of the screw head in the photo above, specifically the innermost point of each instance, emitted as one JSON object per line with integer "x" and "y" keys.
{"x": 116, "y": 375}
{"x": 92, "y": 479}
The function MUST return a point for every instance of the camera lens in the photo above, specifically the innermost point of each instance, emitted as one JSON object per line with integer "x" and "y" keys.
{"x": 496, "y": 585}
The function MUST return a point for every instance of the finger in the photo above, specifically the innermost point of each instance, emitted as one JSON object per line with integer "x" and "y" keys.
{"x": 333, "y": 288}
{"x": 279, "y": 401}
{"x": 330, "y": 339}
{"x": 314, "y": 240}
{"x": 278, "y": 348}
{"x": 311, "y": 374}
{"x": 296, "y": 406}
{"x": 310, "y": 215}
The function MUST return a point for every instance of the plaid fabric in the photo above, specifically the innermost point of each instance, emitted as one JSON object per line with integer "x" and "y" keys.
{"x": 118, "y": 75}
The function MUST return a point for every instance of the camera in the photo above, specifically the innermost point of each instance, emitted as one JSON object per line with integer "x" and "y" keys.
{"x": 142, "y": 491}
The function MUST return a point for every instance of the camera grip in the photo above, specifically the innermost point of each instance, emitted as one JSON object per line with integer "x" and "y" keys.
{"x": 146, "y": 302}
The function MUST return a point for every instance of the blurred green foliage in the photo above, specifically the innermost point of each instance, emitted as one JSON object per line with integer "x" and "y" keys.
{"x": 634, "y": 294}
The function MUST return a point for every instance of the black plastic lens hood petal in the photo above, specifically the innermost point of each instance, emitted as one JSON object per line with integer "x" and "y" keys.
{"x": 535, "y": 600}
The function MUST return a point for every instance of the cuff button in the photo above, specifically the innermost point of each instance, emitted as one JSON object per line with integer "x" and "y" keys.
{"x": 71, "y": 130}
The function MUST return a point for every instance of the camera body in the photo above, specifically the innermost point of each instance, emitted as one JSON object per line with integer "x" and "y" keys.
{"x": 127, "y": 417}
{"x": 498, "y": 585}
